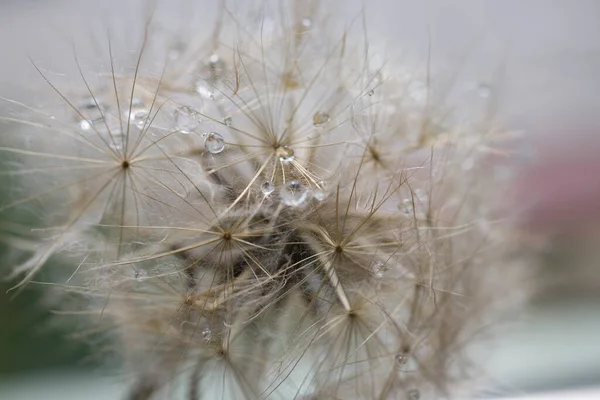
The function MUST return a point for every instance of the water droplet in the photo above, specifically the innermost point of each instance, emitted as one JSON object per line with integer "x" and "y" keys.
{"x": 228, "y": 120}
{"x": 138, "y": 114}
{"x": 85, "y": 125}
{"x": 406, "y": 206}
{"x": 267, "y": 188}
{"x": 215, "y": 65}
{"x": 207, "y": 334}
{"x": 417, "y": 90}
{"x": 286, "y": 154}
{"x": 401, "y": 358}
{"x": 414, "y": 394}
{"x": 205, "y": 90}
{"x": 379, "y": 268}
{"x": 139, "y": 118}
{"x": 214, "y": 142}
{"x": 92, "y": 111}
{"x": 319, "y": 195}
{"x": 320, "y": 118}
{"x": 140, "y": 275}
{"x": 116, "y": 139}
{"x": 176, "y": 50}
{"x": 186, "y": 119}
{"x": 484, "y": 91}
{"x": 293, "y": 193}
{"x": 306, "y": 22}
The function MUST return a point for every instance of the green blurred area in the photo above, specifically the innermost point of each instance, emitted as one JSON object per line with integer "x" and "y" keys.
{"x": 30, "y": 338}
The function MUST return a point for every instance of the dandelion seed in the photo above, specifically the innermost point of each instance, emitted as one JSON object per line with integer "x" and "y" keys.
{"x": 312, "y": 284}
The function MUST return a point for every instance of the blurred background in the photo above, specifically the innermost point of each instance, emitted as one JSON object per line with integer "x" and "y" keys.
{"x": 538, "y": 60}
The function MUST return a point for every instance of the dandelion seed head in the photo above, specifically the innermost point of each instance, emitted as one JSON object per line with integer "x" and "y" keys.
{"x": 267, "y": 213}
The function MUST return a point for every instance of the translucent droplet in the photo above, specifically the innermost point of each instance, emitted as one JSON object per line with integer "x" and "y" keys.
{"x": 319, "y": 195}
{"x": 306, "y": 22}
{"x": 205, "y": 90}
{"x": 85, "y": 125}
{"x": 228, "y": 120}
{"x": 286, "y": 154}
{"x": 414, "y": 394}
{"x": 267, "y": 188}
{"x": 176, "y": 50}
{"x": 138, "y": 114}
{"x": 484, "y": 91}
{"x": 139, "y": 118}
{"x": 116, "y": 139}
{"x": 406, "y": 206}
{"x": 379, "y": 268}
{"x": 206, "y": 334}
{"x": 186, "y": 119}
{"x": 293, "y": 193}
{"x": 320, "y": 118}
{"x": 92, "y": 114}
{"x": 216, "y": 65}
{"x": 417, "y": 90}
{"x": 214, "y": 142}
{"x": 140, "y": 275}
{"x": 401, "y": 358}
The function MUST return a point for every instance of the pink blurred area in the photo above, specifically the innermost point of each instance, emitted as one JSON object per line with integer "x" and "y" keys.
{"x": 558, "y": 191}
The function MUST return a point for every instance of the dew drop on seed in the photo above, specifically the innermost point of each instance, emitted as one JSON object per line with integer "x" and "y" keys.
{"x": 85, "y": 125}
{"x": 401, "y": 358}
{"x": 406, "y": 206}
{"x": 205, "y": 90}
{"x": 215, "y": 64}
{"x": 139, "y": 118}
{"x": 414, "y": 394}
{"x": 484, "y": 91}
{"x": 320, "y": 118}
{"x": 138, "y": 114}
{"x": 186, "y": 120}
{"x": 320, "y": 192}
{"x": 176, "y": 50}
{"x": 207, "y": 334}
{"x": 379, "y": 269}
{"x": 286, "y": 154}
{"x": 293, "y": 193}
{"x": 319, "y": 195}
{"x": 140, "y": 274}
{"x": 267, "y": 188}
{"x": 214, "y": 142}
